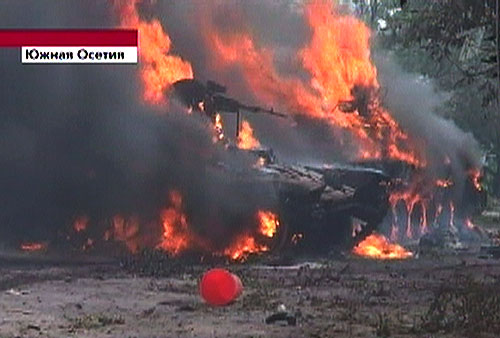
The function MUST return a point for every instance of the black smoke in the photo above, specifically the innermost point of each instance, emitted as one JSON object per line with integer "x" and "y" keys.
{"x": 77, "y": 140}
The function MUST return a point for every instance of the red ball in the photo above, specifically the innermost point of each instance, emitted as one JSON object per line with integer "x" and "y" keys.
{"x": 220, "y": 287}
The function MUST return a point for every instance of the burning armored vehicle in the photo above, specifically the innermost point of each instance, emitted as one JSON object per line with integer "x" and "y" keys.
{"x": 318, "y": 207}
{"x": 336, "y": 206}
{"x": 179, "y": 200}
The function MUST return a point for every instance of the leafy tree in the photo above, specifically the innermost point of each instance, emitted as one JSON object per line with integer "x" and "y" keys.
{"x": 456, "y": 43}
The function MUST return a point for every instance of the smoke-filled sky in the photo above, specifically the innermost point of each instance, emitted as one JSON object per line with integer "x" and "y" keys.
{"x": 77, "y": 139}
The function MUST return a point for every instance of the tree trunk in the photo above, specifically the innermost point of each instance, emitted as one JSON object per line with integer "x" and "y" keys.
{"x": 497, "y": 28}
{"x": 496, "y": 180}
{"x": 374, "y": 6}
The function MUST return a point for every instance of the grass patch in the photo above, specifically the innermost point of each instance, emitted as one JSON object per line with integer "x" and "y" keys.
{"x": 382, "y": 328}
{"x": 464, "y": 305}
{"x": 95, "y": 321}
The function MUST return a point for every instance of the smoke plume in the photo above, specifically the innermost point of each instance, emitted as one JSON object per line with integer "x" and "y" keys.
{"x": 78, "y": 140}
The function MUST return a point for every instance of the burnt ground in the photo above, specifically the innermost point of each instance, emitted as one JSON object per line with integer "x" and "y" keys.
{"x": 439, "y": 294}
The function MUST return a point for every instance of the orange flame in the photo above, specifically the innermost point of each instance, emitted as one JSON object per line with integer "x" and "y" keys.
{"x": 469, "y": 224}
{"x": 338, "y": 61}
{"x": 176, "y": 234}
{"x": 246, "y": 140}
{"x": 247, "y": 244}
{"x": 377, "y": 246}
{"x": 338, "y": 55}
{"x": 257, "y": 65}
{"x": 218, "y": 128}
{"x": 159, "y": 69}
{"x": 33, "y": 246}
{"x": 244, "y": 246}
{"x": 80, "y": 224}
{"x": 410, "y": 197}
{"x": 444, "y": 183}
{"x": 475, "y": 175}
{"x": 269, "y": 223}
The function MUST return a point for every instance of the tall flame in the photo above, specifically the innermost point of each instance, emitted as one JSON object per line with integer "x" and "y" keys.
{"x": 246, "y": 139}
{"x": 257, "y": 65}
{"x": 176, "y": 234}
{"x": 338, "y": 62}
{"x": 338, "y": 55}
{"x": 159, "y": 68}
{"x": 269, "y": 223}
{"x": 475, "y": 176}
{"x": 218, "y": 128}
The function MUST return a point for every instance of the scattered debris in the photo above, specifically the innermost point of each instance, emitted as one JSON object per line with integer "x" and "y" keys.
{"x": 490, "y": 251}
{"x": 148, "y": 312}
{"x": 16, "y": 292}
{"x": 33, "y": 327}
{"x": 282, "y": 315}
{"x": 299, "y": 266}
{"x": 186, "y": 308}
{"x": 441, "y": 238}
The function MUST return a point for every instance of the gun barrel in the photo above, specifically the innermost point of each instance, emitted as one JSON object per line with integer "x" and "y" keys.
{"x": 256, "y": 109}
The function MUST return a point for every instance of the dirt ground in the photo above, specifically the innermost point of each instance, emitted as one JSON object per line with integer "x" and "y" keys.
{"x": 347, "y": 297}
{"x": 437, "y": 294}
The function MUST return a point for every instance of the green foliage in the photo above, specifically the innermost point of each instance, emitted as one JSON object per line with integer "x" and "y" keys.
{"x": 94, "y": 321}
{"x": 454, "y": 43}
{"x": 459, "y": 36}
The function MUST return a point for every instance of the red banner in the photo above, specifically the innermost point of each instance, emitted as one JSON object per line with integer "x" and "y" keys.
{"x": 72, "y": 37}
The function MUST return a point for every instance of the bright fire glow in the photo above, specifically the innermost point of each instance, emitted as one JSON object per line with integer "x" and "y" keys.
{"x": 377, "y": 246}
{"x": 338, "y": 61}
{"x": 475, "y": 176}
{"x": 80, "y": 223}
{"x": 33, "y": 246}
{"x": 410, "y": 197}
{"x": 342, "y": 91}
{"x": 176, "y": 234}
{"x": 246, "y": 139}
{"x": 269, "y": 223}
{"x": 218, "y": 128}
{"x": 469, "y": 224}
{"x": 243, "y": 246}
{"x": 444, "y": 183}
{"x": 159, "y": 68}
{"x": 247, "y": 244}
